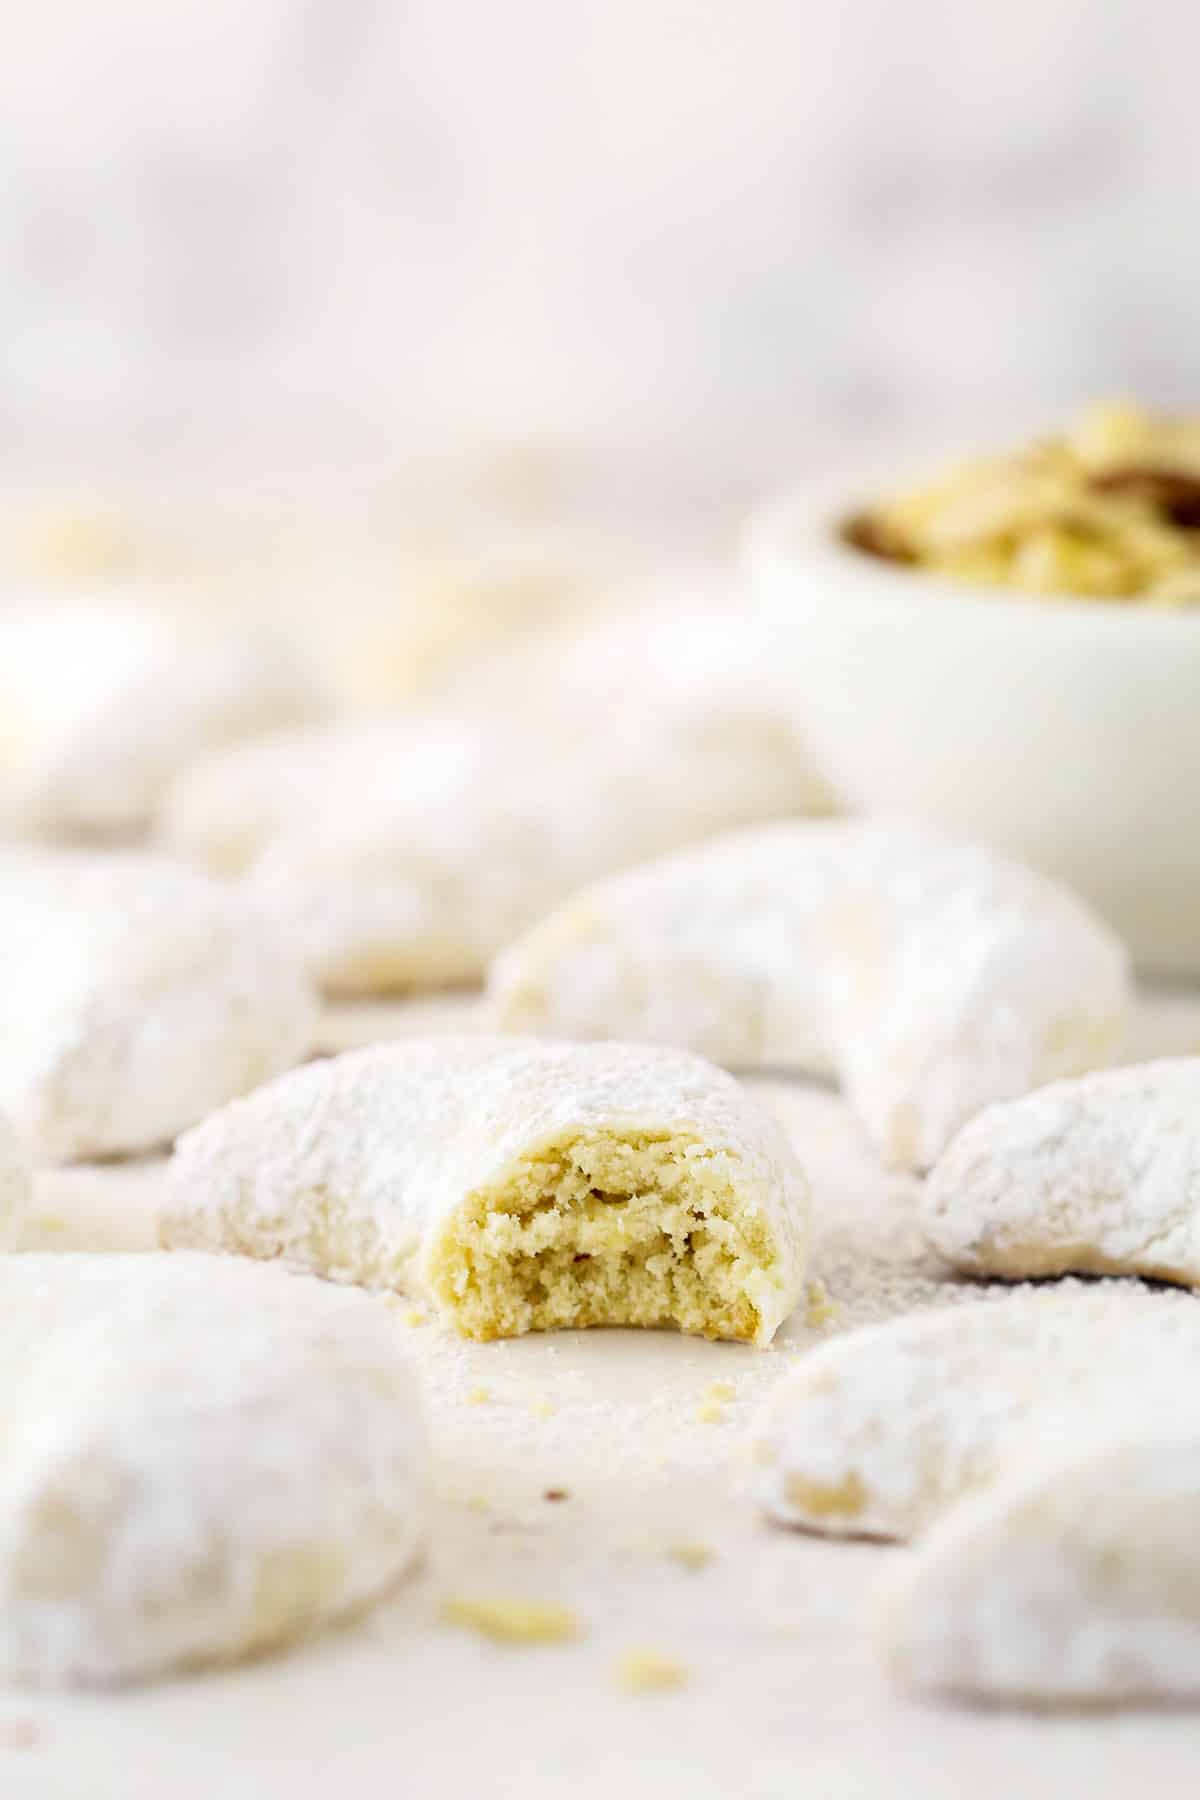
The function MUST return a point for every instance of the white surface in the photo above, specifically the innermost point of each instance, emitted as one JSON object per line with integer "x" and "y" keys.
{"x": 1066, "y": 735}
{"x": 786, "y": 1695}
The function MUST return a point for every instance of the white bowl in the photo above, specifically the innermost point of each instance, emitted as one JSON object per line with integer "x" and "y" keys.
{"x": 1066, "y": 733}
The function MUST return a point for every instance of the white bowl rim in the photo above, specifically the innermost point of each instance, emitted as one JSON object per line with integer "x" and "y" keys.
{"x": 800, "y": 524}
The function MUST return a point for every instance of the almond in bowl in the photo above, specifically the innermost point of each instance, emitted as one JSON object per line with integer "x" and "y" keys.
{"x": 1108, "y": 511}
{"x": 1010, "y": 649}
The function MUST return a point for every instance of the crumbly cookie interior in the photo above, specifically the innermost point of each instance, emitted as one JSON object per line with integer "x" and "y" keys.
{"x": 647, "y": 1228}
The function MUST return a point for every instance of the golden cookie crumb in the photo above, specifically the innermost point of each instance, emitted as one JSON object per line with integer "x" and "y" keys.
{"x": 649, "y": 1672}
{"x": 20, "y": 1734}
{"x": 79, "y": 547}
{"x": 821, "y": 1309}
{"x": 720, "y": 1390}
{"x": 508, "y": 1620}
{"x": 709, "y": 1413}
{"x": 542, "y": 1409}
{"x": 827, "y": 1500}
{"x": 479, "y": 1396}
{"x": 412, "y": 1315}
{"x": 691, "y": 1556}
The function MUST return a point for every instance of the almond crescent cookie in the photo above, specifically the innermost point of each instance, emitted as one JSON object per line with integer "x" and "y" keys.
{"x": 395, "y": 853}
{"x": 1095, "y": 1176}
{"x": 524, "y": 1186}
{"x": 878, "y": 1432}
{"x": 934, "y": 976}
{"x": 403, "y": 853}
{"x": 138, "y": 996}
{"x": 227, "y": 806}
{"x": 103, "y": 703}
{"x": 1074, "y": 1583}
{"x": 203, "y": 1459}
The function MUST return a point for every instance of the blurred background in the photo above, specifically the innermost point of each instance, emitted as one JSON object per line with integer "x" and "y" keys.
{"x": 673, "y": 249}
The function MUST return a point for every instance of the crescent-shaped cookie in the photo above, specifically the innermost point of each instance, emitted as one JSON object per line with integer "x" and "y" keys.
{"x": 1098, "y": 1176}
{"x": 525, "y": 1186}
{"x": 138, "y": 996}
{"x": 1073, "y": 1583}
{"x": 404, "y": 852}
{"x": 202, "y": 1460}
{"x": 878, "y": 1432}
{"x": 103, "y": 703}
{"x": 934, "y": 976}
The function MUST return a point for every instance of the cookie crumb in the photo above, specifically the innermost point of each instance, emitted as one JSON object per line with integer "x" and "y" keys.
{"x": 720, "y": 1390}
{"x": 505, "y": 1619}
{"x": 649, "y": 1672}
{"x": 691, "y": 1556}
{"x": 479, "y": 1396}
{"x": 78, "y": 547}
{"x": 709, "y": 1413}
{"x": 556, "y": 1494}
{"x": 20, "y": 1734}
{"x": 542, "y": 1409}
{"x": 820, "y": 1310}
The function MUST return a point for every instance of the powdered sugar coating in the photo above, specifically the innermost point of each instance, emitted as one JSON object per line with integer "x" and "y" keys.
{"x": 1095, "y": 1176}
{"x": 935, "y": 976}
{"x": 202, "y": 1459}
{"x": 102, "y": 703}
{"x": 878, "y": 1432}
{"x": 139, "y": 997}
{"x": 357, "y": 1166}
{"x": 1075, "y": 1582}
